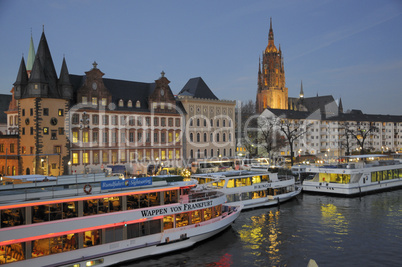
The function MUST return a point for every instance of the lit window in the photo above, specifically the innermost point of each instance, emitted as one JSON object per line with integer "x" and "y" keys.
{"x": 94, "y": 101}
{"x": 104, "y": 101}
{"x": 75, "y": 137}
{"x": 138, "y": 104}
{"x": 85, "y": 137}
{"x": 121, "y": 103}
{"x": 84, "y": 100}
{"x": 130, "y": 104}
{"x": 75, "y": 158}
{"x": 85, "y": 158}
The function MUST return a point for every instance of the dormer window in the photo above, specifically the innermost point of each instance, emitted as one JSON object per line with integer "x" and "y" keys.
{"x": 162, "y": 105}
{"x": 154, "y": 105}
{"x": 121, "y": 103}
{"x": 104, "y": 101}
{"x": 84, "y": 100}
{"x": 94, "y": 101}
{"x": 130, "y": 104}
{"x": 36, "y": 86}
{"x": 138, "y": 104}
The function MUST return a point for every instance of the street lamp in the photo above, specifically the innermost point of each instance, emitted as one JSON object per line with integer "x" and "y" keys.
{"x": 84, "y": 124}
{"x": 69, "y": 167}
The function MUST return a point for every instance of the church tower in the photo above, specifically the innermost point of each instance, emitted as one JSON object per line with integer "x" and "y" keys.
{"x": 271, "y": 92}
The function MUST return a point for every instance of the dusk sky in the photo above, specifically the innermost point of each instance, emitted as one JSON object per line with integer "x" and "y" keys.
{"x": 346, "y": 48}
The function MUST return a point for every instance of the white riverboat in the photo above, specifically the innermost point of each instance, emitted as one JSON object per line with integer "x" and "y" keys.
{"x": 100, "y": 221}
{"x": 363, "y": 174}
{"x": 251, "y": 188}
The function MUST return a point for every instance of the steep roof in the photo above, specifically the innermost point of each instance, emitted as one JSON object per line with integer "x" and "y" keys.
{"x": 43, "y": 70}
{"x": 4, "y": 103}
{"x": 355, "y": 115}
{"x": 120, "y": 89}
{"x": 196, "y": 87}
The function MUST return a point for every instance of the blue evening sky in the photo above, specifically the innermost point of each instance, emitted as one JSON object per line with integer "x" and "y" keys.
{"x": 347, "y": 48}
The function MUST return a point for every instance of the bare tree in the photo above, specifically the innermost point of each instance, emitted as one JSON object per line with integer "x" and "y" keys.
{"x": 247, "y": 132}
{"x": 269, "y": 137}
{"x": 360, "y": 133}
{"x": 292, "y": 130}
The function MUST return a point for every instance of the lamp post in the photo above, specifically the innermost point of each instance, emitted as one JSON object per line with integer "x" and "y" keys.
{"x": 84, "y": 124}
{"x": 69, "y": 167}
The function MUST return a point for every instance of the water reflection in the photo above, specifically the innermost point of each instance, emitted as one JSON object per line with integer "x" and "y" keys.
{"x": 261, "y": 237}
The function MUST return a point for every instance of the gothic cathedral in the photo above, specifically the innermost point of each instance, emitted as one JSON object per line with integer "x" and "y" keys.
{"x": 271, "y": 92}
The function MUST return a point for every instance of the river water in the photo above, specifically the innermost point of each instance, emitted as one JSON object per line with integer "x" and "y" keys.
{"x": 333, "y": 231}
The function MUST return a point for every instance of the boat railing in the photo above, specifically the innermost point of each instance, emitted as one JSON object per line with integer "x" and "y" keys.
{"x": 203, "y": 195}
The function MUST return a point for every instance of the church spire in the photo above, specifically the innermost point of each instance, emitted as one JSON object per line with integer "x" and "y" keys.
{"x": 301, "y": 90}
{"x": 340, "y": 106}
{"x": 271, "y": 45}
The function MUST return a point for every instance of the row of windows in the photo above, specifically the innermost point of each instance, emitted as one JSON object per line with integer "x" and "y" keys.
{"x": 45, "y": 112}
{"x": 259, "y": 194}
{"x": 10, "y": 150}
{"x": 211, "y": 139}
{"x": 115, "y": 157}
{"x": 45, "y": 131}
{"x": 386, "y": 175}
{"x": 211, "y": 124}
{"x": 130, "y": 120}
{"x": 199, "y": 154}
{"x": 140, "y": 137}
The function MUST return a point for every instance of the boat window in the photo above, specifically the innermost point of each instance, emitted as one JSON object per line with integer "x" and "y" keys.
{"x": 256, "y": 179}
{"x": 217, "y": 211}
{"x": 231, "y": 183}
{"x": 12, "y": 217}
{"x": 167, "y": 222}
{"x": 154, "y": 199}
{"x": 54, "y": 245}
{"x": 246, "y": 195}
{"x": 132, "y": 202}
{"x": 92, "y": 238}
{"x": 11, "y": 253}
{"x": 259, "y": 194}
{"x": 182, "y": 219}
{"x": 334, "y": 178}
{"x": 113, "y": 234}
{"x": 219, "y": 184}
{"x": 207, "y": 214}
{"x": 196, "y": 217}
{"x": 264, "y": 178}
{"x": 154, "y": 226}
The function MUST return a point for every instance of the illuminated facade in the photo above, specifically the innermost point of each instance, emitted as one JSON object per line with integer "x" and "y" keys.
{"x": 272, "y": 92}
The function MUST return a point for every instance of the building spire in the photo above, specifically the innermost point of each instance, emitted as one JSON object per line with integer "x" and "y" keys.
{"x": 271, "y": 45}
{"x": 301, "y": 90}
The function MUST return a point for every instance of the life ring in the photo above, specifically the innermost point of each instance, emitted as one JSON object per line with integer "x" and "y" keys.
{"x": 88, "y": 188}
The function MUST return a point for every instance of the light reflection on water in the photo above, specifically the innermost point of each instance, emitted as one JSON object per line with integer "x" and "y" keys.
{"x": 332, "y": 231}
{"x": 261, "y": 236}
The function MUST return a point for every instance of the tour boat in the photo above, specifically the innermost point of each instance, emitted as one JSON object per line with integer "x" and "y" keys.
{"x": 363, "y": 174}
{"x": 99, "y": 221}
{"x": 251, "y": 188}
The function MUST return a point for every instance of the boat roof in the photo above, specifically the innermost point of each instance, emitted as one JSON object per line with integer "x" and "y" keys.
{"x": 231, "y": 174}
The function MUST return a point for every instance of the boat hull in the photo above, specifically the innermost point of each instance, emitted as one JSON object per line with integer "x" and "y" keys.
{"x": 351, "y": 190}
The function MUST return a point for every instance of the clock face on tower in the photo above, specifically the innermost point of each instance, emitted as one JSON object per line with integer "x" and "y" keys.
{"x": 53, "y": 121}
{"x": 94, "y": 86}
